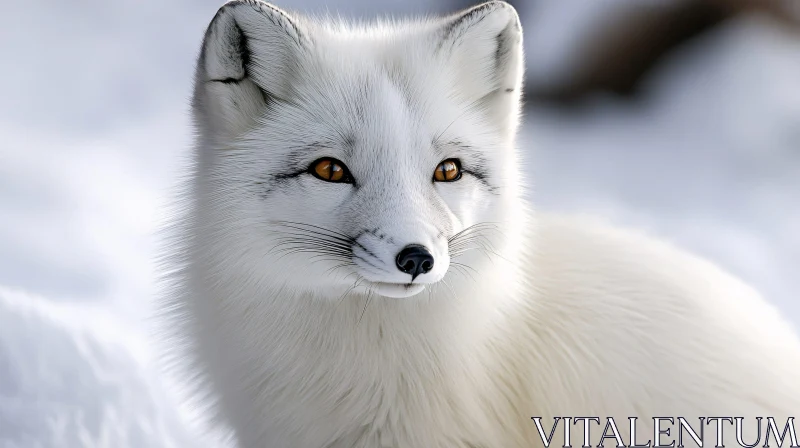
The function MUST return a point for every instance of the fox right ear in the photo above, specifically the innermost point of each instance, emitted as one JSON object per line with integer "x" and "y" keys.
{"x": 484, "y": 45}
{"x": 247, "y": 60}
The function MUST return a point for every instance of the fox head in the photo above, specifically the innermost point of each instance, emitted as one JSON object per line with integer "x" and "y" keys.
{"x": 337, "y": 159}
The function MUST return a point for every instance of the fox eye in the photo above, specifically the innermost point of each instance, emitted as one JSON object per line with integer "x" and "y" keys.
{"x": 448, "y": 171}
{"x": 330, "y": 170}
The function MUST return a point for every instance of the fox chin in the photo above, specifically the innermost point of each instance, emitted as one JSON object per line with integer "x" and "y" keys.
{"x": 354, "y": 265}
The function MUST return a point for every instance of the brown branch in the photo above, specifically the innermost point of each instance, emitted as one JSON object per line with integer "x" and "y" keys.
{"x": 632, "y": 44}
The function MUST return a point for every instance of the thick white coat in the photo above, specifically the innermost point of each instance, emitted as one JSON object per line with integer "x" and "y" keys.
{"x": 303, "y": 335}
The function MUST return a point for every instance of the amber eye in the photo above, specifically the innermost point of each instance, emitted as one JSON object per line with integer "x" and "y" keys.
{"x": 330, "y": 170}
{"x": 448, "y": 171}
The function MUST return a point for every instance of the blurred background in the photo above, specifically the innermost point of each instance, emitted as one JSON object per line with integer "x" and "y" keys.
{"x": 679, "y": 117}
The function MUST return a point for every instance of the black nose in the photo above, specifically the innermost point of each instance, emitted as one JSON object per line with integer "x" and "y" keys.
{"x": 414, "y": 260}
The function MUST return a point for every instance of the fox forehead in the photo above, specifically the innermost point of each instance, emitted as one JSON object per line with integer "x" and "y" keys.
{"x": 369, "y": 86}
{"x": 361, "y": 110}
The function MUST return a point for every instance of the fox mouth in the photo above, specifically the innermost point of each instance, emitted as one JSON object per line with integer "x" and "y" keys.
{"x": 396, "y": 290}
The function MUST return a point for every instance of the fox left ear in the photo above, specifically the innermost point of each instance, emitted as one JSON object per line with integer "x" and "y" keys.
{"x": 483, "y": 45}
{"x": 250, "y": 56}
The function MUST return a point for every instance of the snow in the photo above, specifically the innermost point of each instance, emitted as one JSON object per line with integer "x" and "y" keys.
{"x": 93, "y": 125}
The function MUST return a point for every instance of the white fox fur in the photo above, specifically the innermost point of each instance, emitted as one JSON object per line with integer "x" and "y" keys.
{"x": 296, "y": 324}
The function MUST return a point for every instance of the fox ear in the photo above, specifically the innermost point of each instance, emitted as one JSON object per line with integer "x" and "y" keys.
{"x": 248, "y": 57}
{"x": 483, "y": 45}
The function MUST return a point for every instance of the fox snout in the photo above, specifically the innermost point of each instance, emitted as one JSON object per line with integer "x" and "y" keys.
{"x": 401, "y": 255}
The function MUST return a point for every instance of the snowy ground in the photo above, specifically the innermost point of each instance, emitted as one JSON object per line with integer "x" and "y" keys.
{"x": 93, "y": 124}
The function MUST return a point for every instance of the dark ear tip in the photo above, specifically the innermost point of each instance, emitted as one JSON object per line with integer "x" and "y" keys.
{"x": 498, "y": 3}
{"x": 223, "y": 11}
{"x": 495, "y": 4}
{"x": 489, "y": 8}
{"x": 257, "y": 5}
{"x": 515, "y": 23}
{"x": 511, "y": 10}
{"x": 228, "y": 6}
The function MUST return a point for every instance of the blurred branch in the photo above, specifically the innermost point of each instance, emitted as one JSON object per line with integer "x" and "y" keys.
{"x": 786, "y": 12}
{"x": 631, "y": 44}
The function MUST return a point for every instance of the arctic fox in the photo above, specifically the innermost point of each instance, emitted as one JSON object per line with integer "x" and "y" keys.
{"x": 356, "y": 266}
